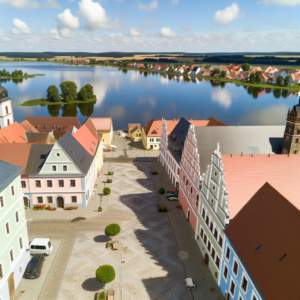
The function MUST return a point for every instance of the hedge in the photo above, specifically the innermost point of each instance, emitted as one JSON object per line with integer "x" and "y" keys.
{"x": 105, "y": 274}
{"x": 99, "y": 208}
{"x": 112, "y": 230}
{"x": 101, "y": 296}
{"x": 110, "y": 173}
{"x": 109, "y": 180}
{"x": 106, "y": 191}
{"x": 161, "y": 190}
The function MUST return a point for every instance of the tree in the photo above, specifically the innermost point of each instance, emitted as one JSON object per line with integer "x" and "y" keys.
{"x": 106, "y": 191}
{"x": 252, "y": 77}
{"x": 216, "y": 71}
{"x": 68, "y": 90}
{"x": 105, "y": 274}
{"x": 112, "y": 229}
{"x": 20, "y": 72}
{"x": 90, "y": 91}
{"x": 223, "y": 74}
{"x": 257, "y": 77}
{"x": 207, "y": 66}
{"x": 146, "y": 65}
{"x": 279, "y": 80}
{"x": 52, "y": 94}
{"x": 83, "y": 94}
{"x": 287, "y": 80}
{"x": 246, "y": 67}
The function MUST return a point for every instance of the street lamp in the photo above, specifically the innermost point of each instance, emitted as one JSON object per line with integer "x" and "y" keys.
{"x": 100, "y": 199}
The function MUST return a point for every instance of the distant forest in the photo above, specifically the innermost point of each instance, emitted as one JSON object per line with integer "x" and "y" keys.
{"x": 160, "y": 60}
{"x": 263, "y": 60}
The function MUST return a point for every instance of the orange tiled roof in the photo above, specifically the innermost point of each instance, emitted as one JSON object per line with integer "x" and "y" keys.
{"x": 28, "y": 127}
{"x": 13, "y": 133}
{"x": 102, "y": 124}
{"x": 133, "y": 125}
{"x": 46, "y": 124}
{"x": 245, "y": 174}
{"x": 154, "y": 128}
{"x": 89, "y": 124}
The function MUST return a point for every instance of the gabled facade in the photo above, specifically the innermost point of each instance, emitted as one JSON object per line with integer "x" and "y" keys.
{"x": 14, "y": 256}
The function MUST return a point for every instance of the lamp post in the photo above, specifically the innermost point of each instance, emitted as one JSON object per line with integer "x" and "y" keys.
{"x": 100, "y": 199}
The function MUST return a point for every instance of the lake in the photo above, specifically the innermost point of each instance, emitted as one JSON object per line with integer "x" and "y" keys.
{"x": 135, "y": 97}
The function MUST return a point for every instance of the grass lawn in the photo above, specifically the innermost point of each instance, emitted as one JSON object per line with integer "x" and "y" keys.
{"x": 22, "y": 77}
{"x": 44, "y": 103}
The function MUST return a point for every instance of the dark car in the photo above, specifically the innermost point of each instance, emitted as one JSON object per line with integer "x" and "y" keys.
{"x": 34, "y": 267}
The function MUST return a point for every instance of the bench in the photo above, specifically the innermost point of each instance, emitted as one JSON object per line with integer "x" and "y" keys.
{"x": 110, "y": 294}
{"x": 110, "y": 297}
{"x": 115, "y": 246}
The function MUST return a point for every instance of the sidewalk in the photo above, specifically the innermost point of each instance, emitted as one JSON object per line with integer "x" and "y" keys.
{"x": 189, "y": 251}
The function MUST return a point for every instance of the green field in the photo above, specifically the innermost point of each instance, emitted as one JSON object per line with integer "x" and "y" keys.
{"x": 22, "y": 77}
{"x": 42, "y": 102}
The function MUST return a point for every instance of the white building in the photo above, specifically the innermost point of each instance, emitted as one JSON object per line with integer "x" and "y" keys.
{"x": 6, "y": 112}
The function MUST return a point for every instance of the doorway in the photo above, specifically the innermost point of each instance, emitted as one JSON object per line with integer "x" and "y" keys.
{"x": 151, "y": 146}
{"x": 188, "y": 215}
{"x": 26, "y": 201}
{"x": 11, "y": 284}
{"x": 206, "y": 259}
{"x": 60, "y": 202}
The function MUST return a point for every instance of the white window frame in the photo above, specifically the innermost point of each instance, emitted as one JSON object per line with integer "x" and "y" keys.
{"x": 71, "y": 185}
{"x": 227, "y": 247}
{"x": 21, "y": 237}
{"x": 66, "y": 167}
{"x": 254, "y": 294}
{"x": 51, "y": 183}
{"x": 52, "y": 168}
{"x": 226, "y": 279}
{"x": 211, "y": 252}
{"x": 17, "y": 210}
{"x": 37, "y": 201}
{"x": 63, "y": 183}
{"x": 219, "y": 261}
{"x": 242, "y": 277}
{"x": 37, "y": 186}
{"x": 47, "y": 199}
{"x": 7, "y": 234}
{"x": 12, "y": 248}
{"x": 234, "y": 260}
{"x": 13, "y": 185}
{"x": 57, "y": 154}
{"x": 1, "y": 207}
{"x": 25, "y": 184}
{"x": 229, "y": 290}
{"x": 240, "y": 296}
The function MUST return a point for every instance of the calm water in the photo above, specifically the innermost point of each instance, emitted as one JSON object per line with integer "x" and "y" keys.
{"x": 132, "y": 97}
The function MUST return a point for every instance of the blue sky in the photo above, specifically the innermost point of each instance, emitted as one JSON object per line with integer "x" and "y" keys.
{"x": 143, "y": 25}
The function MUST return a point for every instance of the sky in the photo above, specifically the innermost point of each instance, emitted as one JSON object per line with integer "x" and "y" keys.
{"x": 149, "y": 26}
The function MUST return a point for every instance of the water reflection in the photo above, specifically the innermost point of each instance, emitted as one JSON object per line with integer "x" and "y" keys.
{"x": 54, "y": 110}
{"x": 71, "y": 110}
{"x": 223, "y": 97}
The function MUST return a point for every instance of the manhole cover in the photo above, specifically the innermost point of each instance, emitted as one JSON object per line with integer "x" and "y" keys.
{"x": 183, "y": 255}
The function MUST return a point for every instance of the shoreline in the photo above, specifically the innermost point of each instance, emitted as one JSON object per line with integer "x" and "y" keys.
{"x": 36, "y": 102}
{"x": 22, "y": 77}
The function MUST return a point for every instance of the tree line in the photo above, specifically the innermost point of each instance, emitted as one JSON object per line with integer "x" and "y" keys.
{"x": 69, "y": 93}
{"x": 15, "y": 73}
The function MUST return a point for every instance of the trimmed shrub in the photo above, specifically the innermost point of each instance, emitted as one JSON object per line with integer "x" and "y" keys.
{"x": 109, "y": 180}
{"x": 26, "y": 207}
{"x": 112, "y": 229}
{"x": 154, "y": 172}
{"x": 110, "y": 173}
{"x": 105, "y": 274}
{"x": 39, "y": 207}
{"x": 106, "y": 191}
{"x": 162, "y": 208}
{"x": 99, "y": 208}
{"x": 161, "y": 191}
{"x": 101, "y": 296}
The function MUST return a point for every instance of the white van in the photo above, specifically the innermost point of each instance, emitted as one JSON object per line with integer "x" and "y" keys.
{"x": 41, "y": 246}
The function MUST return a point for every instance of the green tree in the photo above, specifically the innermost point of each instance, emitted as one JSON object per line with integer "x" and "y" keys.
{"x": 105, "y": 274}
{"x": 83, "y": 94}
{"x": 207, "y": 66}
{"x": 52, "y": 94}
{"x": 112, "y": 229}
{"x": 146, "y": 65}
{"x": 68, "y": 91}
{"x": 279, "y": 80}
{"x": 252, "y": 77}
{"x": 257, "y": 77}
{"x": 223, "y": 74}
{"x": 20, "y": 72}
{"x": 246, "y": 67}
{"x": 216, "y": 71}
{"x": 287, "y": 80}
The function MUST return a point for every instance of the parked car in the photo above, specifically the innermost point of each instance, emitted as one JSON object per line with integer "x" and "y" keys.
{"x": 34, "y": 267}
{"x": 172, "y": 195}
{"x": 173, "y": 198}
{"x": 41, "y": 246}
{"x": 171, "y": 192}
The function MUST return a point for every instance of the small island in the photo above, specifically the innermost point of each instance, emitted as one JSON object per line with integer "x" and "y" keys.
{"x": 68, "y": 95}
{"x": 17, "y": 74}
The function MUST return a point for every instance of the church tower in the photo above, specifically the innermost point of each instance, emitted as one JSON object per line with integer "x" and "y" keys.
{"x": 291, "y": 140}
{"x": 6, "y": 112}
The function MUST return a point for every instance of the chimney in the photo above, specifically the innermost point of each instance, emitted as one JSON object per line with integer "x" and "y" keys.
{"x": 162, "y": 119}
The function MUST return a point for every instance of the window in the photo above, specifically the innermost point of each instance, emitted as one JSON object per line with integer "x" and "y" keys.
{"x": 208, "y": 246}
{"x": 191, "y": 190}
{"x": 11, "y": 252}
{"x": 214, "y": 188}
{"x": 74, "y": 199}
{"x": 218, "y": 262}
{"x": 201, "y": 232}
{"x": 254, "y": 298}
{"x": 158, "y": 140}
{"x": 6, "y": 110}
{"x": 53, "y": 168}
{"x": 232, "y": 288}
{"x": 211, "y": 227}
{"x": 216, "y": 234}
{"x": 197, "y": 200}
{"x": 183, "y": 177}
{"x": 1, "y": 271}
{"x": 38, "y": 183}
{"x": 228, "y": 253}
{"x": 12, "y": 190}
{"x": 207, "y": 220}
{"x": 7, "y": 228}
{"x": 61, "y": 183}
{"x": 58, "y": 154}
{"x": 94, "y": 143}
{"x": 65, "y": 168}
{"x": 225, "y": 273}
{"x": 220, "y": 241}
{"x": 203, "y": 214}
{"x": 50, "y": 199}
{"x": 21, "y": 243}
{"x": 287, "y": 138}
{"x": 73, "y": 183}
{"x": 187, "y": 182}
{"x": 213, "y": 253}
{"x": 216, "y": 173}
{"x": 40, "y": 199}
{"x": 17, "y": 216}
{"x": 244, "y": 284}
{"x": 295, "y": 151}
{"x": 205, "y": 238}
{"x": 297, "y": 141}
{"x": 23, "y": 183}
{"x": 1, "y": 201}
{"x": 235, "y": 268}
{"x": 49, "y": 183}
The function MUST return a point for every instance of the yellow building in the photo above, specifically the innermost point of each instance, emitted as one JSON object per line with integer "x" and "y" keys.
{"x": 104, "y": 126}
{"x": 135, "y": 132}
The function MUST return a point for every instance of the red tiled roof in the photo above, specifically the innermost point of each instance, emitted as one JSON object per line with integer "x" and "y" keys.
{"x": 102, "y": 124}
{"x": 89, "y": 124}
{"x": 133, "y": 125}
{"x": 28, "y": 127}
{"x": 214, "y": 122}
{"x": 16, "y": 154}
{"x": 199, "y": 123}
{"x": 13, "y": 133}
{"x": 46, "y": 124}
{"x": 245, "y": 174}
{"x": 86, "y": 139}
{"x": 269, "y": 221}
{"x": 154, "y": 128}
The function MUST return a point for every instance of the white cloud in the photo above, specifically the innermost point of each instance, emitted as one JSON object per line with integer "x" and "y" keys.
{"x": 51, "y": 4}
{"x": 148, "y": 6}
{"x": 186, "y": 28}
{"x": 30, "y": 4}
{"x": 134, "y": 32}
{"x": 223, "y": 97}
{"x": 95, "y": 17}
{"x": 166, "y": 32}
{"x": 20, "y": 27}
{"x": 174, "y": 2}
{"x": 290, "y": 3}
{"x": 229, "y": 14}
{"x": 67, "y": 20}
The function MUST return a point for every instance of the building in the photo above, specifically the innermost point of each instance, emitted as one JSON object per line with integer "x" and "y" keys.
{"x": 135, "y": 132}
{"x": 291, "y": 141}
{"x": 42, "y": 138}
{"x": 235, "y": 68}
{"x": 229, "y": 182}
{"x": 6, "y": 111}
{"x": 13, "y": 133}
{"x": 14, "y": 253}
{"x": 28, "y": 127}
{"x": 103, "y": 126}
{"x": 261, "y": 253}
{"x": 151, "y": 133}
{"x": 199, "y": 146}
{"x": 49, "y": 124}
{"x": 172, "y": 145}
